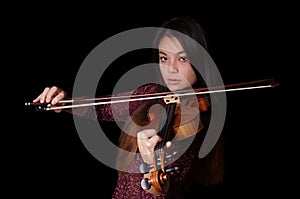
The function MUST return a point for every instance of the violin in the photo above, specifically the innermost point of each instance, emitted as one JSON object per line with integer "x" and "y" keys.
{"x": 184, "y": 123}
{"x": 180, "y": 127}
{"x": 159, "y": 173}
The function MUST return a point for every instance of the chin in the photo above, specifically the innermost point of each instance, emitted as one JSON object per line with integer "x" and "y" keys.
{"x": 174, "y": 88}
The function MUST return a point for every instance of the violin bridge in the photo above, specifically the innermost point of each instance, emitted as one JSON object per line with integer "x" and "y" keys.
{"x": 171, "y": 99}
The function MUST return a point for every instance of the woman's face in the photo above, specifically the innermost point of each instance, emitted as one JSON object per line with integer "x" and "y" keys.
{"x": 174, "y": 64}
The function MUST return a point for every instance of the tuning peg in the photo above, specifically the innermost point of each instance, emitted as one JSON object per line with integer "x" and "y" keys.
{"x": 176, "y": 168}
{"x": 145, "y": 184}
{"x": 144, "y": 168}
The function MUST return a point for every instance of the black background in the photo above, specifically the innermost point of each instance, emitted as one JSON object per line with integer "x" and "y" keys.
{"x": 248, "y": 43}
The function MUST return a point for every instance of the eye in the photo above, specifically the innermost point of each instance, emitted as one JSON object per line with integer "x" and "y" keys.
{"x": 163, "y": 59}
{"x": 184, "y": 59}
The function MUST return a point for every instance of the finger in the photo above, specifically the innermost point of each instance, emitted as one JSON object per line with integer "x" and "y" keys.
{"x": 53, "y": 92}
{"x": 42, "y": 96}
{"x": 145, "y": 134}
{"x": 61, "y": 95}
{"x": 153, "y": 141}
{"x": 142, "y": 139}
{"x": 168, "y": 144}
{"x": 50, "y": 93}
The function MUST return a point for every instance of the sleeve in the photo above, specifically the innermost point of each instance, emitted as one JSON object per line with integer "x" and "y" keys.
{"x": 120, "y": 111}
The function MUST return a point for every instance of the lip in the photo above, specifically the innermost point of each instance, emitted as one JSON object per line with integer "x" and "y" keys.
{"x": 174, "y": 81}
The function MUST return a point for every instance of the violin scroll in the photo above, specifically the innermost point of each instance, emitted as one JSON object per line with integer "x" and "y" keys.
{"x": 159, "y": 174}
{"x": 159, "y": 179}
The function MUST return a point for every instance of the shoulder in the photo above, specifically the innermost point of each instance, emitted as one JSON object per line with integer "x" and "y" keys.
{"x": 145, "y": 89}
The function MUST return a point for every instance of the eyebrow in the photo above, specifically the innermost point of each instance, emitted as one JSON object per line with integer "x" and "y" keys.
{"x": 180, "y": 52}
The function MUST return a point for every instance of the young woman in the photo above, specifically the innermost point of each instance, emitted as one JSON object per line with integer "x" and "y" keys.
{"x": 166, "y": 156}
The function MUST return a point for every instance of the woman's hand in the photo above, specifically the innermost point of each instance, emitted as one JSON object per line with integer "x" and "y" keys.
{"x": 147, "y": 140}
{"x": 51, "y": 95}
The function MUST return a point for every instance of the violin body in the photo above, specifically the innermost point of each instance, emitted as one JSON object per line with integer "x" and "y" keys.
{"x": 187, "y": 121}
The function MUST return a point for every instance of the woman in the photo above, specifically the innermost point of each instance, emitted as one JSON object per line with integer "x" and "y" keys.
{"x": 146, "y": 141}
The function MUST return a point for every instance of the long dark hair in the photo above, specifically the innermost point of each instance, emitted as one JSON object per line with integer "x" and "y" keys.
{"x": 195, "y": 42}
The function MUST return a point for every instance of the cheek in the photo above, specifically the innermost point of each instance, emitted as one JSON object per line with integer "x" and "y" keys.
{"x": 163, "y": 70}
{"x": 193, "y": 78}
{"x": 190, "y": 75}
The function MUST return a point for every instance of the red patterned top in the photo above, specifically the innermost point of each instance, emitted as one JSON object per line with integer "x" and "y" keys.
{"x": 129, "y": 185}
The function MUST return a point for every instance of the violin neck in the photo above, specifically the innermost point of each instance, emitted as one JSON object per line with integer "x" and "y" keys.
{"x": 166, "y": 125}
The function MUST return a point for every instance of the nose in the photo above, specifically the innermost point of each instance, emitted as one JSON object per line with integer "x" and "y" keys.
{"x": 173, "y": 68}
